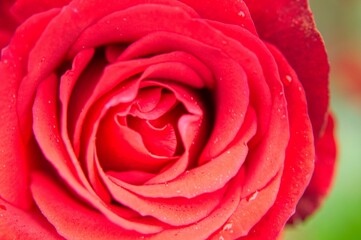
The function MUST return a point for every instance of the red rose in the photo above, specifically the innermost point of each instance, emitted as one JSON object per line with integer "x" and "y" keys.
{"x": 161, "y": 119}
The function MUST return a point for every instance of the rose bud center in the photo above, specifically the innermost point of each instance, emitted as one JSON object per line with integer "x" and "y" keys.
{"x": 142, "y": 135}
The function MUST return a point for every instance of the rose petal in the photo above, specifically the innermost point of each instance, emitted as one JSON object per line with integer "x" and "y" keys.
{"x": 299, "y": 159}
{"x": 193, "y": 130}
{"x": 267, "y": 154}
{"x": 132, "y": 177}
{"x": 249, "y": 211}
{"x": 322, "y": 176}
{"x": 18, "y": 224}
{"x": 289, "y": 25}
{"x": 113, "y": 75}
{"x": 8, "y": 23}
{"x": 14, "y": 165}
{"x": 225, "y": 11}
{"x": 49, "y": 140}
{"x": 205, "y": 228}
{"x": 23, "y": 9}
{"x": 14, "y": 182}
{"x": 50, "y": 50}
{"x": 176, "y": 211}
{"x": 228, "y": 105}
{"x": 73, "y": 219}
{"x": 197, "y": 180}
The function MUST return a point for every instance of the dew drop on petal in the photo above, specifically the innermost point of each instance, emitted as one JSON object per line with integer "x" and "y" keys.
{"x": 227, "y": 227}
{"x": 287, "y": 80}
{"x": 241, "y": 14}
{"x": 253, "y": 196}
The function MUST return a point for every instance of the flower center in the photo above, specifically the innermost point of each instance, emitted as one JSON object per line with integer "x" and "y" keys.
{"x": 143, "y": 135}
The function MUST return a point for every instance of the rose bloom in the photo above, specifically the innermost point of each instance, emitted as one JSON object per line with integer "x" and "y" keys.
{"x": 161, "y": 119}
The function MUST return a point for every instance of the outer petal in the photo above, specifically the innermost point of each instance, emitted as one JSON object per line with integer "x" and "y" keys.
{"x": 24, "y": 9}
{"x": 298, "y": 165}
{"x": 18, "y": 224}
{"x": 289, "y": 26}
{"x": 322, "y": 176}
{"x": 7, "y": 22}
{"x": 75, "y": 220}
{"x": 14, "y": 165}
{"x": 225, "y": 11}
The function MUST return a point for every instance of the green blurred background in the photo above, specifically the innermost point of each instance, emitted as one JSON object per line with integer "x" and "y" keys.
{"x": 339, "y": 218}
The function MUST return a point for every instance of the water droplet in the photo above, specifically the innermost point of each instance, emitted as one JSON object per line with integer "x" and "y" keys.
{"x": 224, "y": 42}
{"x": 75, "y": 10}
{"x": 221, "y": 238}
{"x": 49, "y": 101}
{"x": 253, "y": 196}
{"x": 227, "y": 227}
{"x": 6, "y": 61}
{"x": 125, "y": 19}
{"x": 300, "y": 89}
{"x": 241, "y": 14}
{"x": 287, "y": 80}
{"x": 107, "y": 21}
